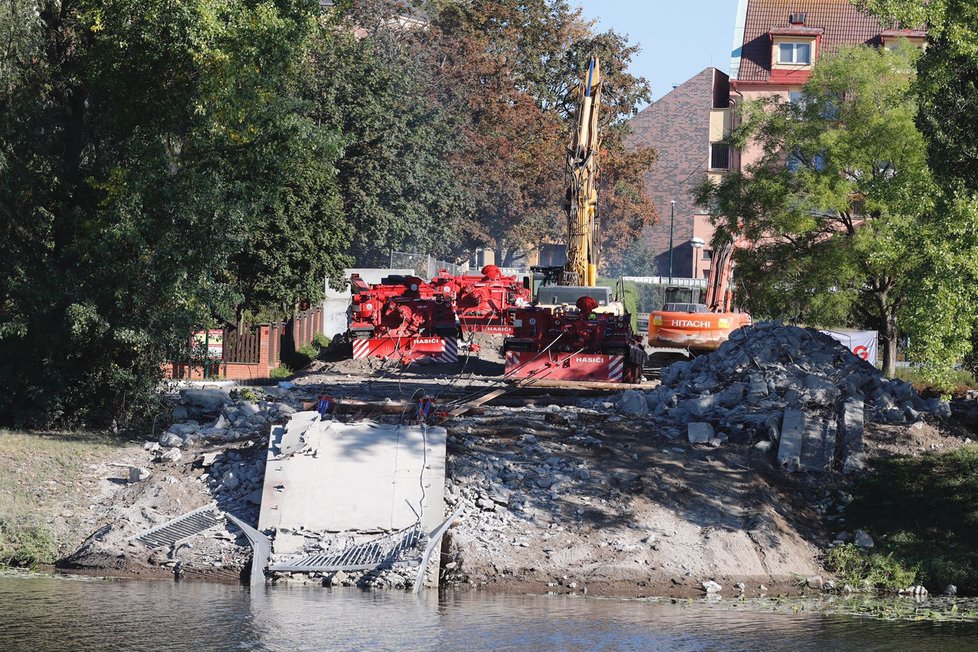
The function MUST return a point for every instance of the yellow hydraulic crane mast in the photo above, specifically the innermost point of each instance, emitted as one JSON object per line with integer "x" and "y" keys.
{"x": 582, "y": 164}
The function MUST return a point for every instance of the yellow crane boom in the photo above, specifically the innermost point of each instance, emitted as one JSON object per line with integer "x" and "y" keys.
{"x": 582, "y": 164}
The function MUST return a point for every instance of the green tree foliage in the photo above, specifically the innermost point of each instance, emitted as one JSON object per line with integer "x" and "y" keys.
{"x": 845, "y": 223}
{"x": 148, "y": 150}
{"x": 377, "y": 79}
{"x": 947, "y": 81}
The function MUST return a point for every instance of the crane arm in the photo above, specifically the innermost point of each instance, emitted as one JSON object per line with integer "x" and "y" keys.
{"x": 582, "y": 164}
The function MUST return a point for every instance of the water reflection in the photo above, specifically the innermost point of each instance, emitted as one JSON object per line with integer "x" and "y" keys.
{"x": 41, "y": 613}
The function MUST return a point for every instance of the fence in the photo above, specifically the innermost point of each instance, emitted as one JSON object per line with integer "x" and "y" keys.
{"x": 251, "y": 354}
{"x": 424, "y": 265}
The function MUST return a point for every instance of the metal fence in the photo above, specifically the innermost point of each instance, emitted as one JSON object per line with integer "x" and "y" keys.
{"x": 424, "y": 265}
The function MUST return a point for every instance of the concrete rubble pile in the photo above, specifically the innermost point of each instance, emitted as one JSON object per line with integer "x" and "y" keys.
{"x": 213, "y": 415}
{"x": 794, "y": 390}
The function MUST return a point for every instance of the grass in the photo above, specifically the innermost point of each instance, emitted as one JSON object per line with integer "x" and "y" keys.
{"x": 869, "y": 570}
{"x": 955, "y": 384}
{"x": 923, "y": 513}
{"x": 39, "y": 474}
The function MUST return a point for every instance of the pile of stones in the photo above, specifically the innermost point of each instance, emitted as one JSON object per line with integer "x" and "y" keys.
{"x": 796, "y": 388}
{"x": 214, "y": 415}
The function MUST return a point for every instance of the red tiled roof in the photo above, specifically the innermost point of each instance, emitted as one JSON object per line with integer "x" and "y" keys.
{"x": 842, "y": 23}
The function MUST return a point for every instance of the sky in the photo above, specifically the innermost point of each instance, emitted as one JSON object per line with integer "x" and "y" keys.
{"x": 679, "y": 38}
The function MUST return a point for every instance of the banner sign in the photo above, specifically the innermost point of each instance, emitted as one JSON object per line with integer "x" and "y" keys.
{"x": 865, "y": 344}
{"x": 212, "y": 339}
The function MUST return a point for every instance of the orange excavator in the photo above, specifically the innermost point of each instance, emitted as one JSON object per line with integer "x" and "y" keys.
{"x": 687, "y": 329}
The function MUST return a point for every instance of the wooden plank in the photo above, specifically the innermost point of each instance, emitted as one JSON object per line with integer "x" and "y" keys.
{"x": 577, "y": 385}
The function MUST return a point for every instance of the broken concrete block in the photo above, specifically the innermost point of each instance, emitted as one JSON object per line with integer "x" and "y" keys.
{"x": 700, "y": 406}
{"x": 633, "y": 402}
{"x": 818, "y": 445}
{"x": 209, "y": 399}
{"x": 248, "y": 409}
{"x": 138, "y": 473}
{"x": 863, "y": 540}
{"x": 169, "y": 439}
{"x": 172, "y": 455}
{"x": 792, "y": 433}
{"x": 820, "y": 391}
{"x": 733, "y": 395}
{"x": 757, "y": 388}
{"x": 699, "y": 432}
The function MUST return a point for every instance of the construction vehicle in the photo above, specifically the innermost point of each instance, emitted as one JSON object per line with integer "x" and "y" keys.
{"x": 574, "y": 331}
{"x": 685, "y": 329}
{"x": 403, "y": 318}
{"x": 576, "y": 344}
{"x": 482, "y": 302}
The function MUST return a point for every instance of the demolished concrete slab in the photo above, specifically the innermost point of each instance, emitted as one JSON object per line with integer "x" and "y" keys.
{"x": 362, "y": 476}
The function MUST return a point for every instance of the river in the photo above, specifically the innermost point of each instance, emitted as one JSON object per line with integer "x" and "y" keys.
{"x": 48, "y": 613}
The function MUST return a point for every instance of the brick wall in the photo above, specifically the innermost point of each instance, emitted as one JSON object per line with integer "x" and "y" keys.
{"x": 678, "y": 126}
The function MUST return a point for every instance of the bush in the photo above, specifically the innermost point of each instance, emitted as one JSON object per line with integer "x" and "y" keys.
{"x": 280, "y": 372}
{"x": 309, "y": 351}
{"x": 321, "y": 341}
{"x": 25, "y": 544}
{"x": 244, "y": 394}
{"x": 955, "y": 383}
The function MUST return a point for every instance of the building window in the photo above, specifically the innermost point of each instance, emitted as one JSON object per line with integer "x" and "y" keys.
{"x": 797, "y": 98}
{"x": 796, "y": 53}
{"x": 719, "y": 156}
{"x": 707, "y": 254}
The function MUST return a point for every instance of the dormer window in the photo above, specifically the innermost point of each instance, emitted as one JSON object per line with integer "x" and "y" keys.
{"x": 795, "y": 53}
{"x": 894, "y": 37}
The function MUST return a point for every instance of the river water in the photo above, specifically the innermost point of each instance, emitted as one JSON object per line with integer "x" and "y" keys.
{"x": 46, "y": 613}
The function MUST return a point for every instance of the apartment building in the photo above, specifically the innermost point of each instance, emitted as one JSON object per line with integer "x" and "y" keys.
{"x": 776, "y": 45}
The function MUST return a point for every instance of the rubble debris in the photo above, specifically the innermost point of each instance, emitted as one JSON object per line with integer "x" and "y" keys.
{"x": 796, "y": 387}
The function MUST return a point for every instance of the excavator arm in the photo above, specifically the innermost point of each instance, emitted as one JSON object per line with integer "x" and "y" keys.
{"x": 582, "y": 164}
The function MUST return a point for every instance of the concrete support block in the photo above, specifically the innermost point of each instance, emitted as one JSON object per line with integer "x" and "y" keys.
{"x": 851, "y": 422}
{"x": 792, "y": 433}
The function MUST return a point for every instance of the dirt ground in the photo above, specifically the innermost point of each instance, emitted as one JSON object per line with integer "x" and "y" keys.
{"x": 558, "y": 498}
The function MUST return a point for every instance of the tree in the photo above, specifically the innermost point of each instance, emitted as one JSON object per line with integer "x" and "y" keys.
{"x": 947, "y": 81}
{"x": 376, "y": 83}
{"x": 511, "y": 68}
{"x": 844, "y": 219}
{"x": 145, "y": 149}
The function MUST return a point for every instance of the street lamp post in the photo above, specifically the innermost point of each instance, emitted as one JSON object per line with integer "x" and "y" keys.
{"x": 672, "y": 217}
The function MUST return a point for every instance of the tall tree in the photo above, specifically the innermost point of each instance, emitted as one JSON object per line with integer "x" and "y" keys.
{"x": 143, "y": 146}
{"x": 376, "y": 76}
{"x": 947, "y": 81}
{"x": 845, "y": 221}
{"x": 513, "y": 69}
